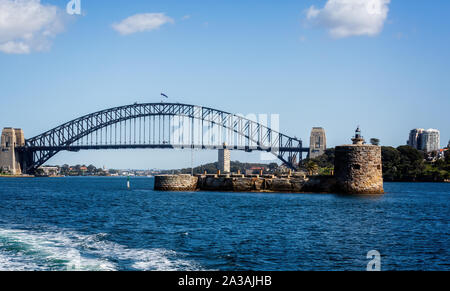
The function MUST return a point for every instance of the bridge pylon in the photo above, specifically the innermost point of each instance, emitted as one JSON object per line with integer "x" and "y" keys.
{"x": 12, "y": 161}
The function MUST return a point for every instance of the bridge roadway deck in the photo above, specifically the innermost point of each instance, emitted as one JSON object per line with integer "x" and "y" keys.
{"x": 76, "y": 148}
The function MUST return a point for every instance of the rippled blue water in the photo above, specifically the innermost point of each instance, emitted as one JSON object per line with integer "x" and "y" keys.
{"x": 97, "y": 224}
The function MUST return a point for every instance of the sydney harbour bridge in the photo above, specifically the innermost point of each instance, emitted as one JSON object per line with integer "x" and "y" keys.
{"x": 157, "y": 126}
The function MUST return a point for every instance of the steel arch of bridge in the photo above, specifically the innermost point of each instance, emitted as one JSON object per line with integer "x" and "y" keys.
{"x": 164, "y": 126}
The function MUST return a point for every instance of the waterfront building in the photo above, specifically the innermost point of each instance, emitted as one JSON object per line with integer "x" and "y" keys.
{"x": 415, "y": 138}
{"x": 49, "y": 171}
{"x": 424, "y": 140}
{"x": 318, "y": 142}
{"x": 430, "y": 141}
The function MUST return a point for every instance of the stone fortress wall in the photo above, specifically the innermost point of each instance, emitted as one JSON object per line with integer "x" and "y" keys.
{"x": 358, "y": 169}
{"x": 176, "y": 183}
{"x": 242, "y": 183}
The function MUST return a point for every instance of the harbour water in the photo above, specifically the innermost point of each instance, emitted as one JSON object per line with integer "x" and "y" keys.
{"x": 91, "y": 223}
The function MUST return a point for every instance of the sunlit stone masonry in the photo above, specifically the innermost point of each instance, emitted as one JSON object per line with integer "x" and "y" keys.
{"x": 358, "y": 167}
{"x": 176, "y": 183}
{"x": 358, "y": 170}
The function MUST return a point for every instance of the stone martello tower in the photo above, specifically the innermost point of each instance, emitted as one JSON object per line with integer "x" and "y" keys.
{"x": 358, "y": 167}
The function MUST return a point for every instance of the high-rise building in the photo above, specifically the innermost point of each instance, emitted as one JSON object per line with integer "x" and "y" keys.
{"x": 415, "y": 138}
{"x": 425, "y": 140}
{"x": 224, "y": 160}
{"x": 318, "y": 142}
{"x": 431, "y": 140}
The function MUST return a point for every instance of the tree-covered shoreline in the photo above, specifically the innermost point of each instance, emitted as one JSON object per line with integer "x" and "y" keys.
{"x": 401, "y": 164}
{"x": 406, "y": 164}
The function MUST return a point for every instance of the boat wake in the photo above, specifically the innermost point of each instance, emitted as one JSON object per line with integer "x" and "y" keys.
{"x": 23, "y": 250}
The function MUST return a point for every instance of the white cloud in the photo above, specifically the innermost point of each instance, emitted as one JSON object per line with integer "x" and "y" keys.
{"x": 142, "y": 22}
{"x": 28, "y": 25}
{"x": 186, "y": 17}
{"x": 344, "y": 18}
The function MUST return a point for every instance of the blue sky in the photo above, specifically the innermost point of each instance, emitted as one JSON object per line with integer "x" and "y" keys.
{"x": 313, "y": 64}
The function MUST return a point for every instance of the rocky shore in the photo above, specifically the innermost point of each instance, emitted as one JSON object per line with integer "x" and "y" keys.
{"x": 16, "y": 176}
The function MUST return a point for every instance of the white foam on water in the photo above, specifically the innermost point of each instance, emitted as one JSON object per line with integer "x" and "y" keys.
{"x": 69, "y": 250}
{"x": 10, "y": 262}
{"x": 141, "y": 259}
{"x": 45, "y": 251}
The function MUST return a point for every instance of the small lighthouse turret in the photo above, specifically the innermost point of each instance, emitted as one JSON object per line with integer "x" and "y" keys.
{"x": 358, "y": 139}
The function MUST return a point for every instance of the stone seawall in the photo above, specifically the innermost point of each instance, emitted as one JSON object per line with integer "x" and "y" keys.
{"x": 176, "y": 183}
{"x": 358, "y": 170}
{"x": 240, "y": 183}
{"x": 267, "y": 184}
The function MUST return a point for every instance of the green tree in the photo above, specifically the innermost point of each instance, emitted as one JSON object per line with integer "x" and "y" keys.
{"x": 65, "y": 169}
{"x": 91, "y": 169}
{"x": 311, "y": 167}
{"x": 412, "y": 163}
{"x": 273, "y": 166}
{"x": 375, "y": 141}
{"x": 39, "y": 172}
{"x": 324, "y": 161}
{"x": 391, "y": 159}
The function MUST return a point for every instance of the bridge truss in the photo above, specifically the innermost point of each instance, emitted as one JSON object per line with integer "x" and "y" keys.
{"x": 162, "y": 126}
